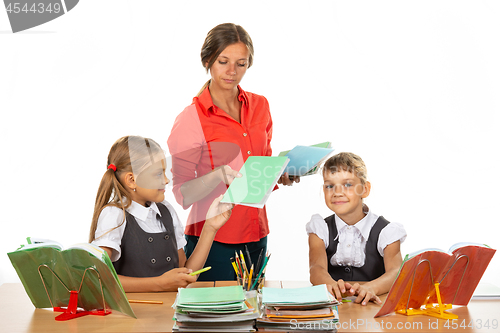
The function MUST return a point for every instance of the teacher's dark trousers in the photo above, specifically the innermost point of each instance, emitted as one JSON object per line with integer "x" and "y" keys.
{"x": 220, "y": 256}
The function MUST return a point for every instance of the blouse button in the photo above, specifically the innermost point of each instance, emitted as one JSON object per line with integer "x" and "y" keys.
{"x": 167, "y": 236}
{"x": 150, "y": 239}
{"x": 244, "y": 134}
{"x": 348, "y": 245}
{"x": 249, "y": 152}
{"x": 153, "y": 261}
{"x": 168, "y": 258}
{"x": 347, "y": 269}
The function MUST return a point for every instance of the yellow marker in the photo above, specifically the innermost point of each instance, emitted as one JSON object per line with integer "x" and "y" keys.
{"x": 200, "y": 271}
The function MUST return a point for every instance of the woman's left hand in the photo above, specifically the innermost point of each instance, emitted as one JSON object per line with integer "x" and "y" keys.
{"x": 288, "y": 180}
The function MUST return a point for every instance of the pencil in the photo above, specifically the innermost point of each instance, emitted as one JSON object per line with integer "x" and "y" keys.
{"x": 250, "y": 278}
{"x": 233, "y": 262}
{"x": 262, "y": 269}
{"x": 238, "y": 263}
{"x": 144, "y": 302}
{"x": 243, "y": 262}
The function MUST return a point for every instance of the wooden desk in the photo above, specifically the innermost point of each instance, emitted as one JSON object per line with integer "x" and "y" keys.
{"x": 17, "y": 314}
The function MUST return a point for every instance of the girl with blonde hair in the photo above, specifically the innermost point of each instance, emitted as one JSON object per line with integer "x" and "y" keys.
{"x": 138, "y": 228}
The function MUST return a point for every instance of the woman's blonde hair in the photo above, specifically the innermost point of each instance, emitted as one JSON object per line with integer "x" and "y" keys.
{"x": 127, "y": 154}
{"x": 218, "y": 39}
{"x": 347, "y": 162}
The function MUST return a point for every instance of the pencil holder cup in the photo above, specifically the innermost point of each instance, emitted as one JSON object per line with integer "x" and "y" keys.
{"x": 251, "y": 285}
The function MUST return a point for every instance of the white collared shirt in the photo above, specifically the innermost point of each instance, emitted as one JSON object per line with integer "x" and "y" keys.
{"x": 352, "y": 238}
{"x": 112, "y": 217}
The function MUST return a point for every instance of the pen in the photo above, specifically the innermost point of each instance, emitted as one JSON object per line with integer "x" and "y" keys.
{"x": 144, "y": 302}
{"x": 248, "y": 256}
{"x": 257, "y": 268}
{"x": 200, "y": 271}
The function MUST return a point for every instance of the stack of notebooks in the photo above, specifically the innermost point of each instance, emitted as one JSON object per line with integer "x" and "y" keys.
{"x": 219, "y": 309}
{"x": 298, "y": 309}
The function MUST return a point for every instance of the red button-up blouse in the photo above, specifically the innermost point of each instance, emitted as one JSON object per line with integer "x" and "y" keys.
{"x": 204, "y": 137}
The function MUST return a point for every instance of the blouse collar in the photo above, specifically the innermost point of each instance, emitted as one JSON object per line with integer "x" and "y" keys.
{"x": 364, "y": 225}
{"x": 141, "y": 212}
{"x": 207, "y": 105}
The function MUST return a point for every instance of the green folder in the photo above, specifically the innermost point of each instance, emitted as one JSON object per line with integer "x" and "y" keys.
{"x": 56, "y": 267}
{"x": 210, "y": 296}
{"x": 304, "y": 296}
{"x": 260, "y": 175}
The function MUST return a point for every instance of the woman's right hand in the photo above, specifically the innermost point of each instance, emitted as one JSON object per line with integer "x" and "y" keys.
{"x": 227, "y": 174}
{"x": 175, "y": 278}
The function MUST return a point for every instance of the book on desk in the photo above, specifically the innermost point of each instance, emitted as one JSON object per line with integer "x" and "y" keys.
{"x": 81, "y": 276}
{"x": 433, "y": 276}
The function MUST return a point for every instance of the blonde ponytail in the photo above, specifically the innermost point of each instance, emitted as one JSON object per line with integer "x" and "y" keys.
{"x": 203, "y": 88}
{"x": 109, "y": 187}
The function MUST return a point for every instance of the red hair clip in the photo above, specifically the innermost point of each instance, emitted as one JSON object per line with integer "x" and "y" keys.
{"x": 112, "y": 167}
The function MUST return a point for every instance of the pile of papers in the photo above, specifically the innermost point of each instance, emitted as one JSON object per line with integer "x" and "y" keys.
{"x": 215, "y": 309}
{"x": 298, "y": 309}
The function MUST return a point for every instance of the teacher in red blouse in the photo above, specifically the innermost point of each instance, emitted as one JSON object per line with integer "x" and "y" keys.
{"x": 211, "y": 139}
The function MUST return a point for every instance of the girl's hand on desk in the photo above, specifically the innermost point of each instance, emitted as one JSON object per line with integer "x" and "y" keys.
{"x": 365, "y": 293}
{"x": 175, "y": 278}
{"x": 337, "y": 289}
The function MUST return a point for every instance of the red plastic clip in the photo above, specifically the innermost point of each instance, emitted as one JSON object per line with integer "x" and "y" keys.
{"x": 72, "y": 312}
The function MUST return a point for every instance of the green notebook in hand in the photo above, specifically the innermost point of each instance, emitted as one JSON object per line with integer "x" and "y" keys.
{"x": 48, "y": 272}
{"x": 260, "y": 175}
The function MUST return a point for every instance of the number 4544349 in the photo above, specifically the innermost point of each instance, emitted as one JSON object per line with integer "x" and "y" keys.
{"x": 456, "y": 324}
{"x": 18, "y": 7}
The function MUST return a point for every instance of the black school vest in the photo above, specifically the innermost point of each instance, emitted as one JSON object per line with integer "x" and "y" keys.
{"x": 148, "y": 254}
{"x": 374, "y": 262}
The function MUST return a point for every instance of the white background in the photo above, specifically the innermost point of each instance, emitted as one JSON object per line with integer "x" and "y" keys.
{"x": 410, "y": 86}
